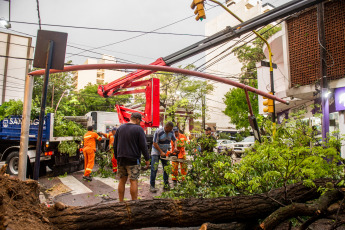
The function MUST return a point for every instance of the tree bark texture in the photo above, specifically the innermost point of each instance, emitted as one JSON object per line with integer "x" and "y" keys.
{"x": 317, "y": 208}
{"x": 180, "y": 213}
{"x": 228, "y": 226}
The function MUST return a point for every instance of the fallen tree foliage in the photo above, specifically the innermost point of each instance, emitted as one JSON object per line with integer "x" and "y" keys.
{"x": 20, "y": 209}
{"x": 180, "y": 213}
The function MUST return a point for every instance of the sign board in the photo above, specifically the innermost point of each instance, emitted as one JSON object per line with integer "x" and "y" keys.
{"x": 59, "y": 50}
{"x": 339, "y": 97}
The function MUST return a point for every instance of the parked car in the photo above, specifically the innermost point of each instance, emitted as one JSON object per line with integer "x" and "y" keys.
{"x": 240, "y": 147}
{"x": 224, "y": 145}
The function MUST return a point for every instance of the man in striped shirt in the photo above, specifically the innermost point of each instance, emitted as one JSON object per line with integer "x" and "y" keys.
{"x": 161, "y": 144}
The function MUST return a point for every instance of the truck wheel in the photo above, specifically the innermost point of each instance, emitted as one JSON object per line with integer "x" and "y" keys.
{"x": 12, "y": 162}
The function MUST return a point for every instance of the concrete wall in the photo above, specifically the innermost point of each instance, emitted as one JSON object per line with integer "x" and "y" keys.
{"x": 14, "y": 51}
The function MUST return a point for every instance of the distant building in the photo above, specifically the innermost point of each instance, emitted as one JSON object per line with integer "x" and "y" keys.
{"x": 98, "y": 76}
{"x": 15, "y": 55}
{"x": 229, "y": 66}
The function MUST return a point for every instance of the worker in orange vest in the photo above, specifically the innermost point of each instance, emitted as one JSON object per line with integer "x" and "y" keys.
{"x": 89, "y": 151}
{"x": 111, "y": 136}
{"x": 181, "y": 139}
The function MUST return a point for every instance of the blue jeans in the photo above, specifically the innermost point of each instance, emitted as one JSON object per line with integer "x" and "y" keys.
{"x": 154, "y": 169}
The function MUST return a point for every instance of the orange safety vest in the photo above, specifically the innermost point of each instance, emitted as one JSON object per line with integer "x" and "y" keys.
{"x": 90, "y": 140}
{"x": 181, "y": 140}
{"x": 111, "y": 138}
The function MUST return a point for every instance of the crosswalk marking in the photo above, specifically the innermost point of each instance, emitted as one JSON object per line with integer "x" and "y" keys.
{"x": 108, "y": 181}
{"x": 75, "y": 185}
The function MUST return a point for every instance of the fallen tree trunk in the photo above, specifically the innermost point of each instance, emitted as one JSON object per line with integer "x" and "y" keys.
{"x": 315, "y": 209}
{"x": 180, "y": 213}
{"x": 228, "y": 226}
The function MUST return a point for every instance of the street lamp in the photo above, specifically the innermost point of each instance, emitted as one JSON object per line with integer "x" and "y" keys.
{"x": 326, "y": 93}
{"x": 5, "y": 23}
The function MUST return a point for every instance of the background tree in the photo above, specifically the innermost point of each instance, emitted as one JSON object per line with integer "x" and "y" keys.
{"x": 180, "y": 92}
{"x": 235, "y": 100}
{"x": 87, "y": 99}
{"x": 58, "y": 84}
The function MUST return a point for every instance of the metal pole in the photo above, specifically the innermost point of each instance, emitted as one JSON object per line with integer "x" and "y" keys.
{"x": 43, "y": 108}
{"x": 24, "y": 134}
{"x": 163, "y": 68}
{"x": 203, "y": 104}
{"x": 272, "y": 90}
{"x": 324, "y": 98}
{"x": 252, "y": 119}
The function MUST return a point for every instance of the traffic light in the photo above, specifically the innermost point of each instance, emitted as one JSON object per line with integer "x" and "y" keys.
{"x": 199, "y": 11}
{"x": 269, "y": 104}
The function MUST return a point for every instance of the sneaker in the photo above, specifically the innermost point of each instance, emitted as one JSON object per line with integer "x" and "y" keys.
{"x": 88, "y": 178}
{"x": 166, "y": 188}
{"x": 153, "y": 190}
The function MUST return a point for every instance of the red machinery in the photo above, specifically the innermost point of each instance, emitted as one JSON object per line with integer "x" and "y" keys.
{"x": 151, "y": 90}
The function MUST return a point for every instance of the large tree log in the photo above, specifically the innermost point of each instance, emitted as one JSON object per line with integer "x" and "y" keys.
{"x": 228, "y": 226}
{"x": 179, "y": 213}
{"x": 315, "y": 209}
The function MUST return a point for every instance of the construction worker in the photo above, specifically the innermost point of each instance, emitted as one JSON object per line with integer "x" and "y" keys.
{"x": 111, "y": 136}
{"x": 181, "y": 139}
{"x": 207, "y": 142}
{"x": 89, "y": 151}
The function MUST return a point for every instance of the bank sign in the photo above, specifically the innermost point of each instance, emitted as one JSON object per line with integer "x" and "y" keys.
{"x": 339, "y": 96}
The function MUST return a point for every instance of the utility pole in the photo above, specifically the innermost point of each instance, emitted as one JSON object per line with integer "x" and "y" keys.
{"x": 43, "y": 109}
{"x": 203, "y": 109}
{"x": 24, "y": 134}
{"x": 323, "y": 66}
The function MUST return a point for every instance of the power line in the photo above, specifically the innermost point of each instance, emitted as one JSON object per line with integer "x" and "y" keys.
{"x": 5, "y": 56}
{"x": 144, "y": 33}
{"x": 114, "y": 30}
{"x": 72, "y": 54}
{"x": 240, "y": 46}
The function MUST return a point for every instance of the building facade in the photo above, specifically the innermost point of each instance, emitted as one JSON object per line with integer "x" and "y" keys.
{"x": 229, "y": 66}
{"x": 100, "y": 76}
{"x": 298, "y": 75}
{"x": 16, "y": 54}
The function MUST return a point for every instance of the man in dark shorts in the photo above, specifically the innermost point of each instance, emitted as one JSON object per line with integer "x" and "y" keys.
{"x": 129, "y": 144}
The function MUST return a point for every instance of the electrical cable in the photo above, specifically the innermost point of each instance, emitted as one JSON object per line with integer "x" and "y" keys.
{"x": 39, "y": 15}
{"x": 5, "y": 56}
{"x": 113, "y": 30}
{"x": 124, "y": 40}
{"x": 212, "y": 58}
{"x": 125, "y": 60}
{"x": 241, "y": 46}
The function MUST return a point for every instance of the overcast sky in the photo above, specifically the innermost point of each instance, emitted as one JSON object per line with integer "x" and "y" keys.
{"x": 132, "y": 15}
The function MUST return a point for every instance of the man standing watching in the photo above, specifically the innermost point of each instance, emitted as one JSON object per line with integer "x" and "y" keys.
{"x": 129, "y": 144}
{"x": 181, "y": 139}
{"x": 161, "y": 144}
{"x": 89, "y": 152}
{"x": 207, "y": 141}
